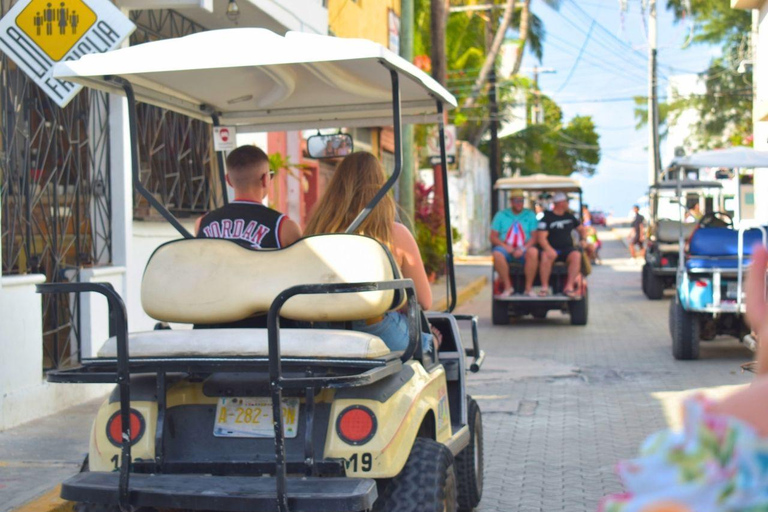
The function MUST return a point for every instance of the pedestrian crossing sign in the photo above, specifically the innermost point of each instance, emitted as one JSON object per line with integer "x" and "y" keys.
{"x": 36, "y": 34}
{"x": 56, "y": 26}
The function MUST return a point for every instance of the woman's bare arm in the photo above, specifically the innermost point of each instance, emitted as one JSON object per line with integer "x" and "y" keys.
{"x": 409, "y": 257}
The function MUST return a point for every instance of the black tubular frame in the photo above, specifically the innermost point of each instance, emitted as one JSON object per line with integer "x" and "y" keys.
{"x": 119, "y": 325}
{"x": 478, "y": 355}
{"x": 277, "y": 382}
{"x": 397, "y": 124}
{"x": 450, "y": 283}
{"x": 134, "y": 137}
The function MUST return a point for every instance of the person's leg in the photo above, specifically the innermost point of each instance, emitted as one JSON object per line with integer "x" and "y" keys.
{"x": 531, "y": 265}
{"x": 573, "y": 262}
{"x": 500, "y": 263}
{"x": 545, "y": 268}
{"x": 632, "y": 247}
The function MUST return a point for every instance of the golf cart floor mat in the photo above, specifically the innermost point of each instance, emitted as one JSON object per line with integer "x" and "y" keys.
{"x": 224, "y": 493}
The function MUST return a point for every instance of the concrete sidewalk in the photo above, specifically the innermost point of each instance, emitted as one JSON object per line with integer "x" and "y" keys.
{"x": 37, "y": 456}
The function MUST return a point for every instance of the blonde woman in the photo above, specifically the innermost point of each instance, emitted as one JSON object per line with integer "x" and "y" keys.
{"x": 356, "y": 180}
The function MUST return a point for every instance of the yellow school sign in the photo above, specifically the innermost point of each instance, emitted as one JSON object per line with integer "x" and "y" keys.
{"x": 36, "y": 34}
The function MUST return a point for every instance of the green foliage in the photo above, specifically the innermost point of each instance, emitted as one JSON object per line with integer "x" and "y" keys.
{"x": 715, "y": 21}
{"x": 553, "y": 147}
{"x": 432, "y": 248}
{"x": 725, "y": 110}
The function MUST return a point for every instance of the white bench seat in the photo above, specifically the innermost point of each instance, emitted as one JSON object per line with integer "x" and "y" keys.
{"x": 310, "y": 343}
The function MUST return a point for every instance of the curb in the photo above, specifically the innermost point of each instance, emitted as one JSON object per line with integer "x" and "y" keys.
{"x": 48, "y": 502}
{"x": 467, "y": 293}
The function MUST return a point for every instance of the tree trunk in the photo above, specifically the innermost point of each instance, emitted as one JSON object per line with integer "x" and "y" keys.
{"x": 525, "y": 19}
{"x": 438, "y": 21}
{"x": 493, "y": 51}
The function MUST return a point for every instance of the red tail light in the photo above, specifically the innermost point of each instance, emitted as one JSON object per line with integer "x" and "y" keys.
{"x": 664, "y": 262}
{"x": 356, "y": 425}
{"x": 702, "y": 284}
{"x": 115, "y": 428}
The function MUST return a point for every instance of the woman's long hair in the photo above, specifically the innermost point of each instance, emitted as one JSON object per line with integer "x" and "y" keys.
{"x": 356, "y": 180}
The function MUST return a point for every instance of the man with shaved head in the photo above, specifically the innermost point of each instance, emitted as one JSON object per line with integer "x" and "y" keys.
{"x": 246, "y": 220}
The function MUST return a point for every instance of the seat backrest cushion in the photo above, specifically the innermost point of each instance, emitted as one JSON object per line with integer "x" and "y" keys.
{"x": 722, "y": 242}
{"x": 208, "y": 281}
{"x": 668, "y": 231}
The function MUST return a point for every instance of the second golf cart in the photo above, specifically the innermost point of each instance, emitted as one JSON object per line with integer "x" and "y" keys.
{"x": 302, "y": 419}
{"x": 538, "y": 187}
{"x": 669, "y": 202}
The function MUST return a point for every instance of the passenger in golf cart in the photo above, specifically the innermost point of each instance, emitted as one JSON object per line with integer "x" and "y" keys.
{"x": 354, "y": 183}
{"x": 513, "y": 237}
{"x": 555, "y": 236}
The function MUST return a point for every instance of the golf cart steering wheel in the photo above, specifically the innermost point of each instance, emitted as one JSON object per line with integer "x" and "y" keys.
{"x": 716, "y": 219}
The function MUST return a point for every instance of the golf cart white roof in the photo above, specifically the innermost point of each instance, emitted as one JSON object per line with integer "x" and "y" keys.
{"x": 536, "y": 182}
{"x": 261, "y": 81}
{"x": 731, "y": 158}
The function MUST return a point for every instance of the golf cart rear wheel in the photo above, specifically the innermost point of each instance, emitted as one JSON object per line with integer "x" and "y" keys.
{"x": 579, "y": 310}
{"x": 685, "y": 332}
{"x": 469, "y": 463}
{"x": 653, "y": 286}
{"x": 427, "y": 482}
{"x": 500, "y": 313}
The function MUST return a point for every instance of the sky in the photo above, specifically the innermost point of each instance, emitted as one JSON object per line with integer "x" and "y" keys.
{"x": 612, "y": 68}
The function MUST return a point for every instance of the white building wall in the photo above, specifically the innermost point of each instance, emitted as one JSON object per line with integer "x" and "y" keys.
{"x": 24, "y": 393}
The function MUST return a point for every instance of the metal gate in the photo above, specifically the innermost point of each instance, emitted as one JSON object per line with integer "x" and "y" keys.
{"x": 54, "y": 180}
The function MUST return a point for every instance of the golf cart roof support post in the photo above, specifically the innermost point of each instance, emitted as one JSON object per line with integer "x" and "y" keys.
{"x": 222, "y": 168}
{"x": 451, "y": 282}
{"x": 117, "y": 314}
{"x": 397, "y": 124}
{"x": 276, "y": 380}
{"x": 740, "y": 276}
{"x": 134, "y": 136}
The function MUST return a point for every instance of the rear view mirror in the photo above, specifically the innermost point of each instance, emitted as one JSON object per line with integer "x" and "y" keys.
{"x": 329, "y": 146}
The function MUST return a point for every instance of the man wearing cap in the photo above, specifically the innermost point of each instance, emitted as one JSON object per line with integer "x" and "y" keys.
{"x": 513, "y": 239}
{"x": 556, "y": 242}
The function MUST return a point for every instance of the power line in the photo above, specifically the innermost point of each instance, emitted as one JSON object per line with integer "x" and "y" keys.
{"x": 578, "y": 57}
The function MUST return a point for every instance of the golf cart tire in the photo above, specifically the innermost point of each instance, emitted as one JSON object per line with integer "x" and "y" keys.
{"x": 427, "y": 482}
{"x": 500, "y": 313}
{"x": 685, "y": 332}
{"x": 469, "y": 463}
{"x": 579, "y": 310}
{"x": 653, "y": 286}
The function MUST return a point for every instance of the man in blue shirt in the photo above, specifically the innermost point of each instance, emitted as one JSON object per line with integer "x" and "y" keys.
{"x": 513, "y": 240}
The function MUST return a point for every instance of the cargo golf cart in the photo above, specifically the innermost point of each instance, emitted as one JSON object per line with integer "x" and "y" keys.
{"x": 276, "y": 419}
{"x": 536, "y": 187}
{"x": 709, "y": 300}
{"x": 669, "y": 201}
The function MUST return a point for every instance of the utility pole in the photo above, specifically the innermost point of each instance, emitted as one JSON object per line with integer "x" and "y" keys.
{"x": 494, "y": 158}
{"x": 537, "y": 111}
{"x": 654, "y": 165}
{"x": 407, "y": 181}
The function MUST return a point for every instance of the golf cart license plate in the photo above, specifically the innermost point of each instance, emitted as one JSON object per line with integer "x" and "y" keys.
{"x": 252, "y": 417}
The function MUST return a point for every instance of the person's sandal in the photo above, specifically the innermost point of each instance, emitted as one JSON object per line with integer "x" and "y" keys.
{"x": 544, "y": 292}
{"x": 506, "y": 293}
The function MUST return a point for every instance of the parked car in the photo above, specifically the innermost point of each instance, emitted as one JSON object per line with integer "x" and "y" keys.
{"x": 598, "y": 218}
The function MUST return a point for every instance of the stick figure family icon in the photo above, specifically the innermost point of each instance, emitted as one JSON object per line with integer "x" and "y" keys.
{"x": 60, "y": 17}
{"x": 56, "y": 25}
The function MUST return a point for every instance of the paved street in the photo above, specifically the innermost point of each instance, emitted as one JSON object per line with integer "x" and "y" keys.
{"x": 563, "y": 404}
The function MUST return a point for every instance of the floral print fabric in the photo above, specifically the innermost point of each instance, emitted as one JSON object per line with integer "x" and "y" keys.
{"x": 714, "y": 464}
